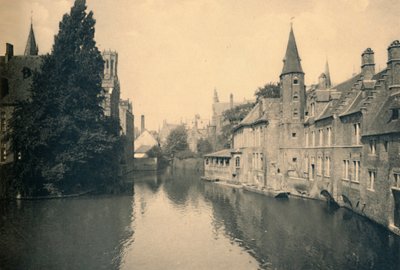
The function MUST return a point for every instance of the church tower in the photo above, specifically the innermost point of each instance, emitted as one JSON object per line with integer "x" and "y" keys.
{"x": 31, "y": 48}
{"x": 110, "y": 84}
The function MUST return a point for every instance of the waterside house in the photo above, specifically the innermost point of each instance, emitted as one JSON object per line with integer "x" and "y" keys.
{"x": 340, "y": 141}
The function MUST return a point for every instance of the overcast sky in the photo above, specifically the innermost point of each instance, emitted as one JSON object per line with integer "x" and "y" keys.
{"x": 172, "y": 53}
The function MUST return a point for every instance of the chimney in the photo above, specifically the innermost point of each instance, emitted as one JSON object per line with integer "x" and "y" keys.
{"x": 9, "y": 52}
{"x": 368, "y": 64}
{"x": 142, "y": 126}
{"x": 231, "y": 101}
{"x": 393, "y": 65}
{"x": 260, "y": 108}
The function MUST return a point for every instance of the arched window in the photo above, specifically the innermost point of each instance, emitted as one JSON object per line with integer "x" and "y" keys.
{"x": 237, "y": 162}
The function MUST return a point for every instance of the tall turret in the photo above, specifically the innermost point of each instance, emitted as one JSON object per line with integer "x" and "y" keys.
{"x": 31, "y": 47}
{"x": 292, "y": 84}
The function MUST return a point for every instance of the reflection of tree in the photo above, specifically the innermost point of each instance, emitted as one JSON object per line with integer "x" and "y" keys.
{"x": 300, "y": 234}
{"x": 180, "y": 184}
{"x": 151, "y": 179}
{"x": 81, "y": 233}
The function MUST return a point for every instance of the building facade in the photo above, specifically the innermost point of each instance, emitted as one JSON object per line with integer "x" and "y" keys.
{"x": 338, "y": 141}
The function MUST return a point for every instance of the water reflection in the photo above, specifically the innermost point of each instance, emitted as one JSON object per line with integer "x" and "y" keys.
{"x": 300, "y": 234}
{"x": 80, "y": 233}
{"x": 176, "y": 221}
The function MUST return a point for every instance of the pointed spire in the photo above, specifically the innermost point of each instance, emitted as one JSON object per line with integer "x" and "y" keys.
{"x": 216, "y": 99}
{"x": 291, "y": 62}
{"x": 31, "y": 47}
{"x": 328, "y": 75}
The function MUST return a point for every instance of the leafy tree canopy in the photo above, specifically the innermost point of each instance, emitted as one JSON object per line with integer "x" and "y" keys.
{"x": 61, "y": 133}
{"x": 270, "y": 90}
{"x": 177, "y": 141}
{"x": 231, "y": 118}
{"x": 204, "y": 147}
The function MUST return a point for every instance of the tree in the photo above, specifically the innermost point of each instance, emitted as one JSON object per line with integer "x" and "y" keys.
{"x": 270, "y": 90}
{"x": 232, "y": 117}
{"x": 61, "y": 133}
{"x": 204, "y": 146}
{"x": 176, "y": 141}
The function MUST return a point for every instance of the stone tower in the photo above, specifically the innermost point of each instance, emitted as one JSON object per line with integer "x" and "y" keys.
{"x": 31, "y": 48}
{"x": 110, "y": 84}
{"x": 292, "y": 94}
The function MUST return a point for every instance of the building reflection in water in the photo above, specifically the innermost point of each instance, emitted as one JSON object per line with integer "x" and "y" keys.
{"x": 300, "y": 234}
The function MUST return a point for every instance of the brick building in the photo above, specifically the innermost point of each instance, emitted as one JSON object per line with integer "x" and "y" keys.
{"x": 339, "y": 141}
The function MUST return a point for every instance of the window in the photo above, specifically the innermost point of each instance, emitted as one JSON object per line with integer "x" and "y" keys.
{"x": 295, "y": 113}
{"x": 396, "y": 177}
{"x": 356, "y": 171}
{"x": 3, "y": 124}
{"x": 294, "y": 159}
{"x": 345, "y": 169}
{"x": 372, "y": 147}
{"x": 372, "y": 176}
{"x": 294, "y": 135}
{"x": 313, "y": 138}
{"x": 295, "y": 81}
{"x": 26, "y": 72}
{"x": 112, "y": 67}
{"x": 207, "y": 161}
{"x": 261, "y": 161}
{"x": 3, "y": 153}
{"x": 237, "y": 162}
{"x": 227, "y": 162}
{"x": 395, "y": 114}
{"x": 329, "y": 139}
{"x": 385, "y": 145}
{"x": 319, "y": 166}
{"x": 4, "y": 88}
{"x": 356, "y": 128}
{"x": 327, "y": 166}
{"x": 312, "y": 109}
{"x": 321, "y": 137}
{"x": 306, "y": 164}
{"x": 295, "y": 96}
{"x": 306, "y": 138}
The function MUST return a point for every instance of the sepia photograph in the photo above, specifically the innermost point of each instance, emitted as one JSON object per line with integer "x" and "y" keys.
{"x": 199, "y": 134}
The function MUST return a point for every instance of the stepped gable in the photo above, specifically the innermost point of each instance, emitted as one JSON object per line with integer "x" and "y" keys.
{"x": 361, "y": 101}
{"x": 348, "y": 95}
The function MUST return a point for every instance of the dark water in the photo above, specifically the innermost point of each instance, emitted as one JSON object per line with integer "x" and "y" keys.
{"x": 176, "y": 221}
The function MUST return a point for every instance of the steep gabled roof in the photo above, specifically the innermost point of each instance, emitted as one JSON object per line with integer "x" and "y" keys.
{"x": 31, "y": 46}
{"x": 291, "y": 62}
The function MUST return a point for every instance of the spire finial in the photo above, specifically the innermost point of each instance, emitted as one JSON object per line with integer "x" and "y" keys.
{"x": 31, "y": 17}
{"x": 291, "y": 22}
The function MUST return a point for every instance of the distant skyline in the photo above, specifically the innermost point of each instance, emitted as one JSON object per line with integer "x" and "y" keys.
{"x": 172, "y": 54}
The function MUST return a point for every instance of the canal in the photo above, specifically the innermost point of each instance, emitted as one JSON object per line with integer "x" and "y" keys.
{"x": 176, "y": 221}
